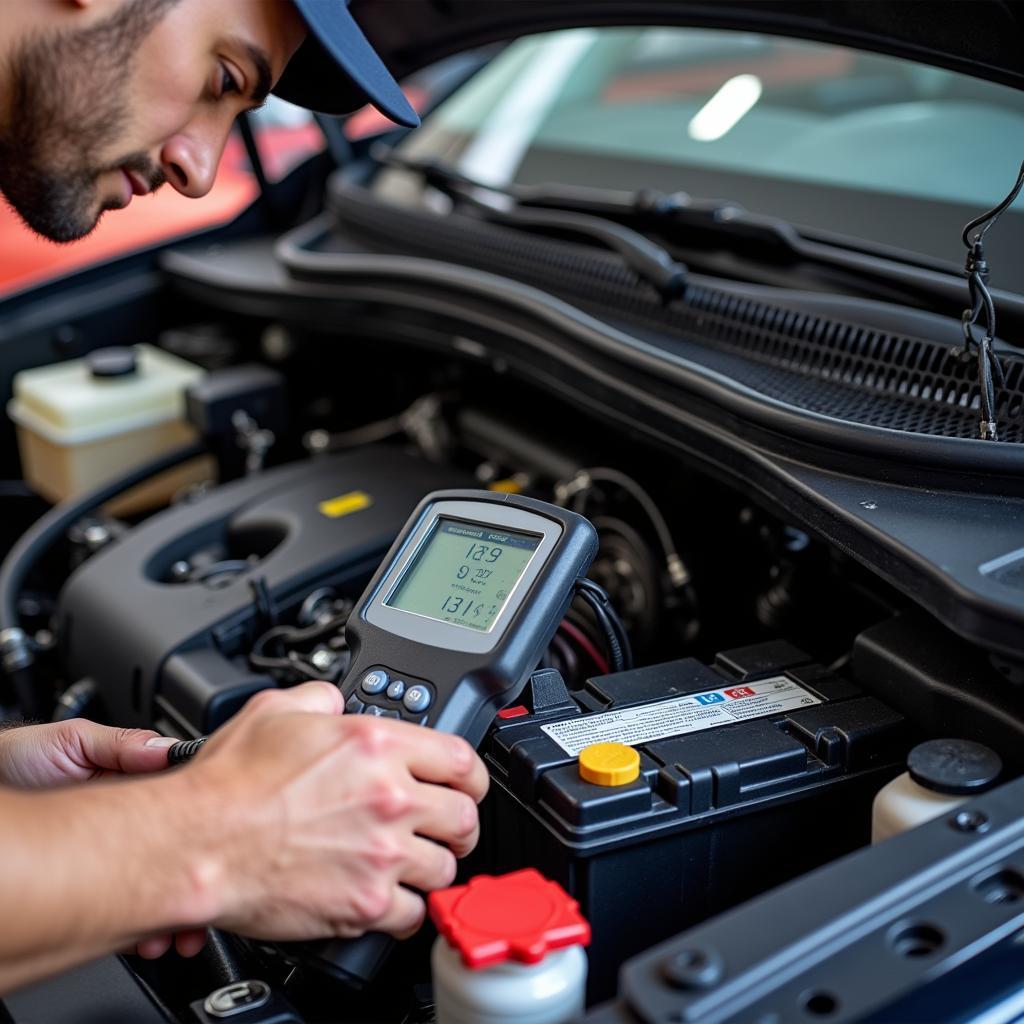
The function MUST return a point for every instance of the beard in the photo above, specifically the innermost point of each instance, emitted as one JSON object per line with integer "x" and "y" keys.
{"x": 69, "y": 105}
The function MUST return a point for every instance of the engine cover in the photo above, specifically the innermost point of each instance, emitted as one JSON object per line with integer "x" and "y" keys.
{"x": 159, "y": 648}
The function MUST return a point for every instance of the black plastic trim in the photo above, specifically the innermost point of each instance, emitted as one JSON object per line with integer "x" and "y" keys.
{"x": 890, "y": 445}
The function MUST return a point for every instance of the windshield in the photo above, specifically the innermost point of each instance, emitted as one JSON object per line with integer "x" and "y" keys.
{"x": 826, "y": 137}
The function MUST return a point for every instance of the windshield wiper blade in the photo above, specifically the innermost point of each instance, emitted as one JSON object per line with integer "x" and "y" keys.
{"x": 646, "y": 258}
{"x": 889, "y": 273}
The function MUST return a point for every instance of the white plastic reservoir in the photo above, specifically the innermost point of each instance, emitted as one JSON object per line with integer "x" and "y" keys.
{"x": 85, "y": 421}
{"x": 941, "y": 775}
{"x": 510, "y": 951}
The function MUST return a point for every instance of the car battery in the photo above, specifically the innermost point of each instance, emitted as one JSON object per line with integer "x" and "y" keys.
{"x": 751, "y": 772}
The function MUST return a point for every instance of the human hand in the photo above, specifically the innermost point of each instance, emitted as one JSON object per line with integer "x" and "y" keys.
{"x": 59, "y": 753}
{"x": 323, "y": 824}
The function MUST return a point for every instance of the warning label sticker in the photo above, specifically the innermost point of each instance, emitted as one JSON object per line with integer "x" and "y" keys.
{"x": 679, "y": 715}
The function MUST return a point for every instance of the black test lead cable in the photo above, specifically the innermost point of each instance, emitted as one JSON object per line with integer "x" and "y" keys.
{"x": 185, "y": 750}
{"x": 982, "y": 308}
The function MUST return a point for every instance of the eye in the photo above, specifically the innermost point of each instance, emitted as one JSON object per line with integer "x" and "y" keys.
{"x": 228, "y": 83}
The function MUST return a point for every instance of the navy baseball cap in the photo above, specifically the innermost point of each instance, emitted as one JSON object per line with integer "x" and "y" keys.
{"x": 336, "y": 69}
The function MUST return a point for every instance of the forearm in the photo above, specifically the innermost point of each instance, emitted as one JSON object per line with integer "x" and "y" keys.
{"x": 90, "y": 870}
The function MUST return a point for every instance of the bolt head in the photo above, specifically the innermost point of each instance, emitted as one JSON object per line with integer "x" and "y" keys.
{"x": 970, "y": 821}
{"x": 322, "y": 659}
{"x": 693, "y": 969}
{"x": 96, "y": 535}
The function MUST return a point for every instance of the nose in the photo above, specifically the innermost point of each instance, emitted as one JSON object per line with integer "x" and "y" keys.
{"x": 190, "y": 159}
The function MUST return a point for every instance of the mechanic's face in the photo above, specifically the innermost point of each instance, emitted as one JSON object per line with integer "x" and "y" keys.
{"x": 144, "y": 94}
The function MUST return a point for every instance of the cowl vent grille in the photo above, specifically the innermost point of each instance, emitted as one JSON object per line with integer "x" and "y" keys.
{"x": 841, "y": 370}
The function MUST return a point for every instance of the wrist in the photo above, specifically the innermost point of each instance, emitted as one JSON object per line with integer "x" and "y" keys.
{"x": 192, "y": 851}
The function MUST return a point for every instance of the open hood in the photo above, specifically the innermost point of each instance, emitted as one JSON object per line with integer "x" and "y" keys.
{"x": 984, "y": 38}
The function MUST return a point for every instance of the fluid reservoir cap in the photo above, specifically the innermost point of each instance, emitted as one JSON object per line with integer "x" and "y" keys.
{"x": 521, "y": 916}
{"x": 957, "y": 767}
{"x": 112, "y": 362}
{"x": 609, "y": 764}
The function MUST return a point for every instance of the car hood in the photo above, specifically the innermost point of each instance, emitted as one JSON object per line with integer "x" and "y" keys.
{"x": 984, "y": 38}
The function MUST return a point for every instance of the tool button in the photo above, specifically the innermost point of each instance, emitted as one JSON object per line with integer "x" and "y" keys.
{"x": 374, "y": 681}
{"x": 378, "y": 712}
{"x": 417, "y": 699}
{"x": 396, "y": 689}
{"x": 609, "y": 764}
{"x": 354, "y": 705}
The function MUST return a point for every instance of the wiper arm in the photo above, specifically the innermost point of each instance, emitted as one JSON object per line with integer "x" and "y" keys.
{"x": 892, "y": 273}
{"x": 646, "y": 258}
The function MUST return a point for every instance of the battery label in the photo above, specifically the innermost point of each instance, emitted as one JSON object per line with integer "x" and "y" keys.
{"x": 679, "y": 715}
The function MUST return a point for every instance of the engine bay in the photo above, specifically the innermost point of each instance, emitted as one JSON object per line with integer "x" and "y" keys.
{"x": 778, "y": 683}
{"x": 750, "y": 742}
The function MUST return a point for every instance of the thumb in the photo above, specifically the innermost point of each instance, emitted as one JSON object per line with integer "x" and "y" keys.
{"x": 123, "y": 750}
{"x": 319, "y": 698}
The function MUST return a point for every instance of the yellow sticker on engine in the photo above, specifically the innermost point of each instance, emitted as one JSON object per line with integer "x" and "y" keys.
{"x": 345, "y": 504}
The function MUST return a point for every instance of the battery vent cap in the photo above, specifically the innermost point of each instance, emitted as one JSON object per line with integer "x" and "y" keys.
{"x": 520, "y": 916}
{"x": 609, "y": 764}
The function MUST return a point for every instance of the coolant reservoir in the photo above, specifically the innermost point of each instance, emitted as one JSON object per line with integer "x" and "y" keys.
{"x": 510, "y": 951}
{"x": 941, "y": 774}
{"x": 85, "y": 421}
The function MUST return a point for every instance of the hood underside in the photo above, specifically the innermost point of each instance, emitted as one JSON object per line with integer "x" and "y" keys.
{"x": 983, "y": 38}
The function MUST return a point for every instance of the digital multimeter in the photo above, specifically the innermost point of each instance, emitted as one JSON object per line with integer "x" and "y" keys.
{"x": 449, "y": 631}
{"x": 463, "y": 608}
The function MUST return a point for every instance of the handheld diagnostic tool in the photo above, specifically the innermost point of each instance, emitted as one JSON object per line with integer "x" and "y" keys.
{"x": 463, "y": 608}
{"x": 450, "y": 629}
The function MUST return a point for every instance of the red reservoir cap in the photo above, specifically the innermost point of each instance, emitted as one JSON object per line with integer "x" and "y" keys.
{"x": 520, "y": 916}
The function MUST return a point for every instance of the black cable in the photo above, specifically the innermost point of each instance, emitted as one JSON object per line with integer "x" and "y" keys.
{"x": 263, "y": 600}
{"x": 75, "y": 700}
{"x": 585, "y": 624}
{"x": 568, "y": 662}
{"x": 621, "y": 654}
{"x": 294, "y": 636}
{"x": 982, "y": 311}
{"x": 986, "y": 220}
{"x": 185, "y": 750}
{"x": 676, "y": 568}
{"x": 617, "y": 624}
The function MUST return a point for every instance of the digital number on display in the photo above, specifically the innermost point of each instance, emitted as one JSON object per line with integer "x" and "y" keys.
{"x": 464, "y": 573}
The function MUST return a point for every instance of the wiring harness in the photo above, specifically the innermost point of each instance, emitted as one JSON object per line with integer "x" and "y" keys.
{"x": 979, "y": 319}
{"x": 619, "y": 651}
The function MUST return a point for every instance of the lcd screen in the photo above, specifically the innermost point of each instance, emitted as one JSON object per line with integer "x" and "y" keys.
{"x": 464, "y": 573}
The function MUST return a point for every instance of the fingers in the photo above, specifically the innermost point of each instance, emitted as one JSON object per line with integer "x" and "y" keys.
{"x": 430, "y": 866}
{"x": 430, "y": 756}
{"x": 187, "y": 943}
{"x": 450, "y": 761}
{"x": 404, "y": 915}
{"x": 154, "y": 947}
{"x": 449, "y": 817}
{"x": 120, "y": 750}
{"x": 320, "y": 698}
{"x": 190, "y": 943}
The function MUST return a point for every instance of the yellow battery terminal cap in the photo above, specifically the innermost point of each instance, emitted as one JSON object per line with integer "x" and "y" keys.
{"x": 609, "y": 764}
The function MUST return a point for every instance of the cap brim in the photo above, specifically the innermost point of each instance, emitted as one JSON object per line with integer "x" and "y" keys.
{"x": 336, "y": 70}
